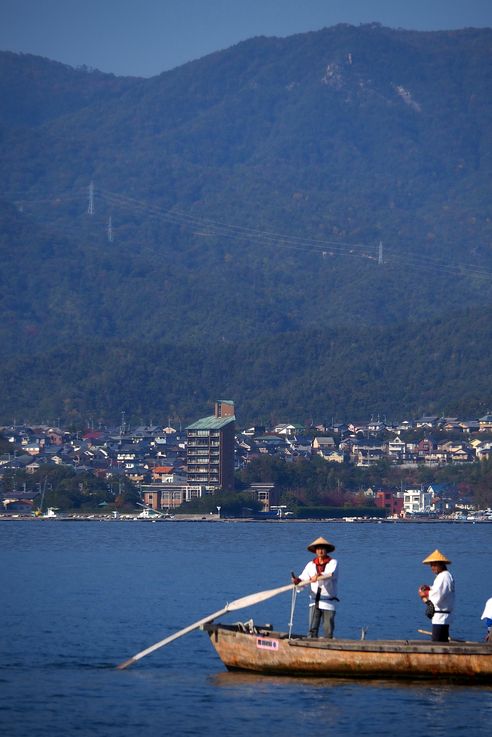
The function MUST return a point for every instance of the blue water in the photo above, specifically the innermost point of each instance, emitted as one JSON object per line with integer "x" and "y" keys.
{"x": 80, "y": 597}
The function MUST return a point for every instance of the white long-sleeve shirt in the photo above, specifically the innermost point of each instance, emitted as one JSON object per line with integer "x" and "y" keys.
{"x": 328, "y": 586}
{"x": 442, "y": 596}
{"x": 487, "y": 612}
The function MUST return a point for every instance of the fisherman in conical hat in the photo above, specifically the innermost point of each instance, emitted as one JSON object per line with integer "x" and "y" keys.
{"x": 439, "y": 598}
{"x": 323, "y": 594}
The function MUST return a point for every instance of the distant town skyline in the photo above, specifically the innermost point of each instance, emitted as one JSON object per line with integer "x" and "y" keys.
{"x": 145, "y": 38}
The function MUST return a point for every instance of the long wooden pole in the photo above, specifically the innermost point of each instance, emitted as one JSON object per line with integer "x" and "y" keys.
{"x": 166, "y": 640}
{"x": 241, "y": 603}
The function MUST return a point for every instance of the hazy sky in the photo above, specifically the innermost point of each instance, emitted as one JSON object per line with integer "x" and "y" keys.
{"x": 146, "y": 37}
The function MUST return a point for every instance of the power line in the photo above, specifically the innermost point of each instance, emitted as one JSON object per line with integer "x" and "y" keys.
{"x": 325, "y": 247}
{"x": 216, "y": 228}
{"x": 204, "y": 227}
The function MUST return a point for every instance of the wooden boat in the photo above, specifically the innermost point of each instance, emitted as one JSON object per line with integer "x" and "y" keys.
{"x": 248, "y": 647}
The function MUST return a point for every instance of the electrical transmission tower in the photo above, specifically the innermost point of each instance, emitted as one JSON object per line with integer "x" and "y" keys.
{"x": 110, "y": 229}
{"x": 90, "y": 209}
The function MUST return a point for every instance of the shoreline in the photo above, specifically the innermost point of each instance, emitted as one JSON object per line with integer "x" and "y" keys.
{"x": 215, "y": 519}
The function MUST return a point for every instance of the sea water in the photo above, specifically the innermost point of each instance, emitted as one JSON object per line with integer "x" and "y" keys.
{"x": 77, "y": 598}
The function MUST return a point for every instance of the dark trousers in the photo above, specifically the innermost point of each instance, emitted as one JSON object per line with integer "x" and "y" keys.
{"x": 315, "y": 617}
{"x": 440, "y": 633}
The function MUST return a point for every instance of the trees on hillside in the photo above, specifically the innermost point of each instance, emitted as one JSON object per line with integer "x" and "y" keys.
{"x": 317, "y": 482}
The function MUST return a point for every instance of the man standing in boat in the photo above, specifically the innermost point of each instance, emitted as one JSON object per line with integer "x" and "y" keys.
{"x": 323, "y": 594}
{"x": 439, "y": 598}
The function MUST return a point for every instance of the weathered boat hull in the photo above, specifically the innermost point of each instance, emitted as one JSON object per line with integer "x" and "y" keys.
{"x": 265, "y": 651}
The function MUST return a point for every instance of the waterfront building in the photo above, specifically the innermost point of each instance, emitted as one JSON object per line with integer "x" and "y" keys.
{"x": 417, "y": 501}
{"x": 210, "y": 449}
{"x": 391, "y": 502}
{"x": 265, "y": 493}
{"x": 165, "y": 496}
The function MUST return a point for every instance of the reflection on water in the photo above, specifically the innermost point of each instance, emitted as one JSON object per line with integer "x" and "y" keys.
{"x": 241, "y": 679}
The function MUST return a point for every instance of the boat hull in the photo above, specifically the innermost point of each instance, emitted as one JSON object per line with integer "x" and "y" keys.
{"x": 265, "y": 651}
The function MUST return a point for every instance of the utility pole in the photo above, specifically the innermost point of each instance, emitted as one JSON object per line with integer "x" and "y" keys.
{"x": 90, "y": 209}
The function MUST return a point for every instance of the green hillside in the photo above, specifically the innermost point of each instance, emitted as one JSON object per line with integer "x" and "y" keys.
{"x": 440, "y": 366}
{"x": 248, "y": 193}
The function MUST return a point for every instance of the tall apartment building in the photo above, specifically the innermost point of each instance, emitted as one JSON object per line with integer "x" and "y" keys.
{"x": 210, "y": 449}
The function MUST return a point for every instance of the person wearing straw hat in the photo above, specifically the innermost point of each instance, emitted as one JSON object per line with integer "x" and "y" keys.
{"x": 323, "y": 594}
{"x": 439, "y": 598}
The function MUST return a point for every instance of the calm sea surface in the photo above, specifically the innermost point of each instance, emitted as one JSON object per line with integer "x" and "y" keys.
{"x": 79, "y": 597}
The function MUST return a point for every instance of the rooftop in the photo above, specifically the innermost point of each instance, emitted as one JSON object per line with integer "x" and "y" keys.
{"x": 211, "y": 423}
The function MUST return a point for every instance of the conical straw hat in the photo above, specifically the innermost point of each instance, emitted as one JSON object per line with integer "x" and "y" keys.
{"x": 436, "y": 557}
{"x": 320, "y": 542}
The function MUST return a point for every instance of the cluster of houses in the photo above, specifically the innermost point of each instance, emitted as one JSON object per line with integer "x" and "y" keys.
{"x": 158, "y": 459}
{"x": 365, "y": 444}
{"x": 142, "y": 455}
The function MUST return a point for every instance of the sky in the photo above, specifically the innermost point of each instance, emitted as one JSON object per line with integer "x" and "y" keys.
{"x": 147, "y": 37}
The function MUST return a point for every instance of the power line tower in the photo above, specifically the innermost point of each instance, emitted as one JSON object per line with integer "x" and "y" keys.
{"x": 380, "y": 256}
{"x": 110, "y": 230}
{"x": 123, "y": 424}
{"x": 90, "y": 209}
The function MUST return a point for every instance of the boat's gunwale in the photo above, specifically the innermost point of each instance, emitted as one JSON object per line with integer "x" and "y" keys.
{"x": 394, "y": 646}
{"x": 363, "y": 646}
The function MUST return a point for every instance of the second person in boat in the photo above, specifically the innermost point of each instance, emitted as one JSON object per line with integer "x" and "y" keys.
{"x": 323, "y": 593}
{"x": 439, "y": 598}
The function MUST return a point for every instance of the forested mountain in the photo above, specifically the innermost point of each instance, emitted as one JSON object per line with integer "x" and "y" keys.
{"x": 436, "y": 367}
{"x": 239, "y": 205}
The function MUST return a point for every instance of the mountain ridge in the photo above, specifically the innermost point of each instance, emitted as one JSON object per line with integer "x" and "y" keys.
{"x": 248, "y": 193}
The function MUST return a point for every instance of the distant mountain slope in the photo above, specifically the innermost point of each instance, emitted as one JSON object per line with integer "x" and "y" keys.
{"x": 35, "y": 90}
{"x": 440, "y": 367}
{"x": 245, "y": 195}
